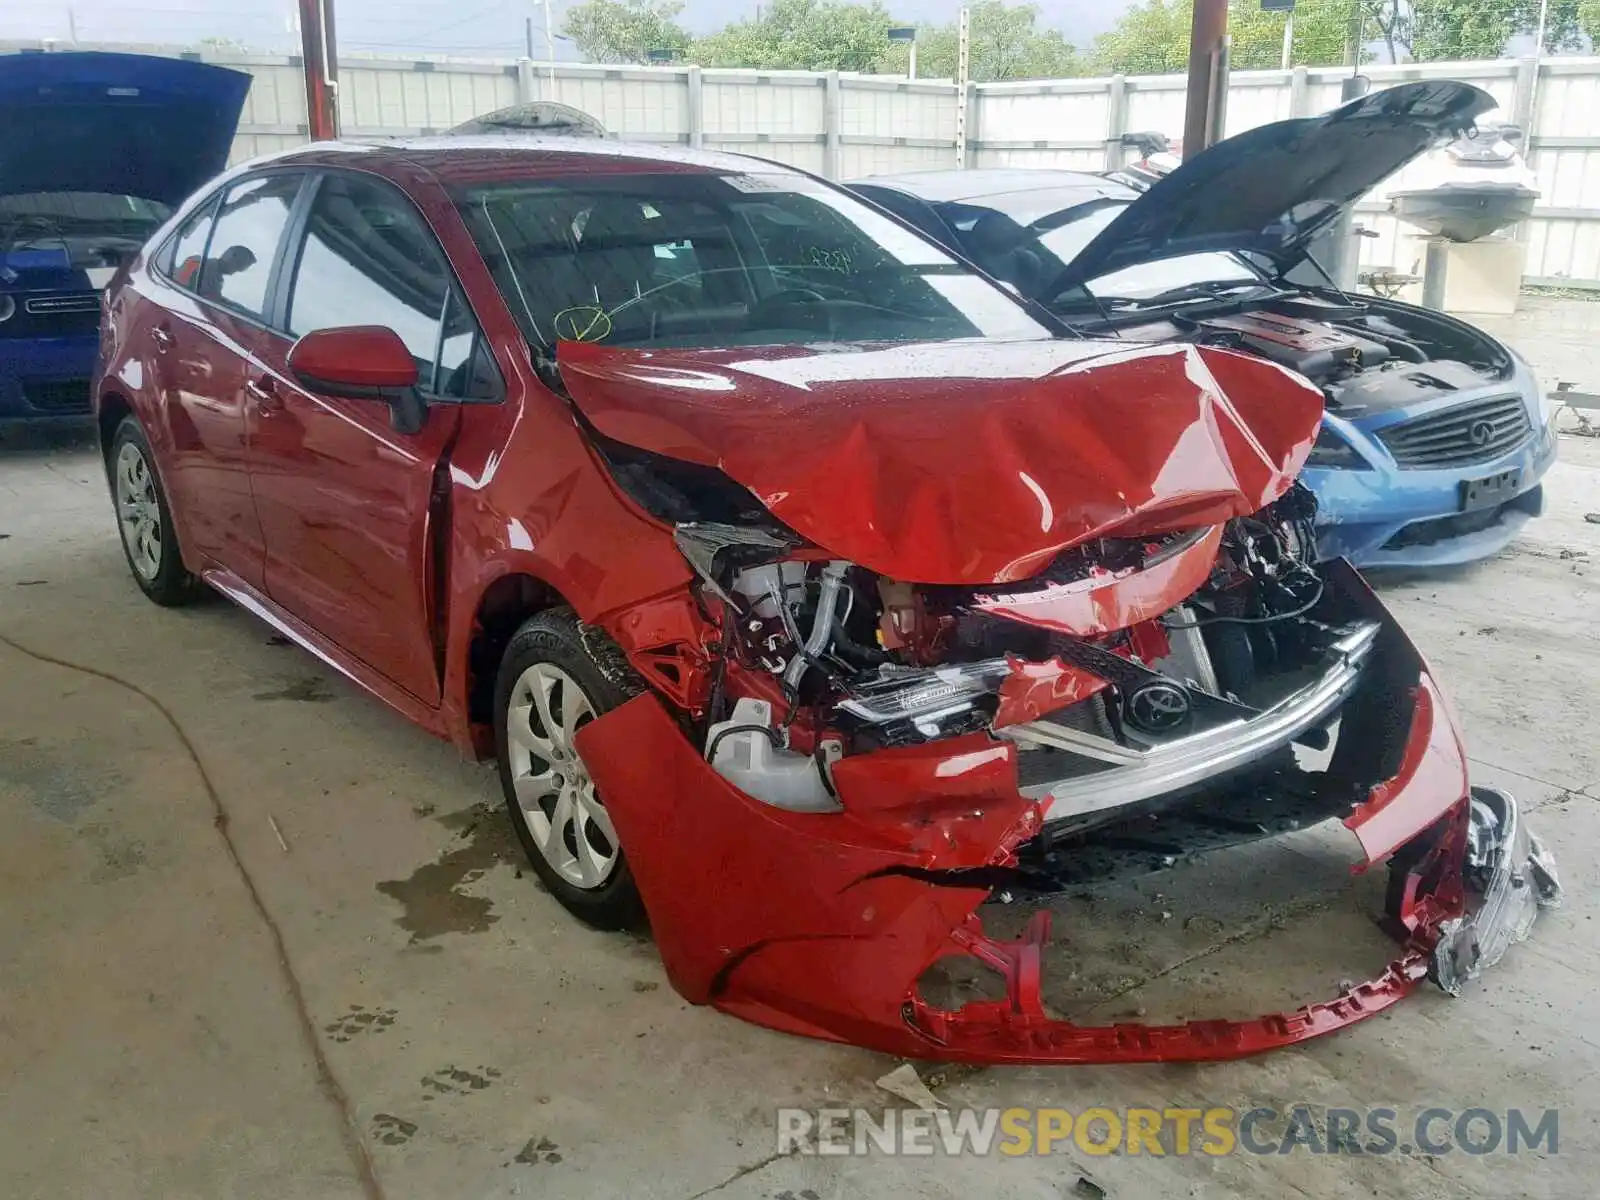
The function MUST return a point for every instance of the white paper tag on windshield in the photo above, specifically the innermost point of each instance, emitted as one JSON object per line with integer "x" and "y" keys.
{"x": 758, "y": 183}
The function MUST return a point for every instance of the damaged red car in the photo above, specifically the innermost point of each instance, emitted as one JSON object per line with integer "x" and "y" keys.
{"x": 807, "y": 586}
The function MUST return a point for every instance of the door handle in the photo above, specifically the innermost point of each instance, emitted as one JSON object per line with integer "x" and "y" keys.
{"x": 265, "y": 394}
{"x": 162, "y": 337}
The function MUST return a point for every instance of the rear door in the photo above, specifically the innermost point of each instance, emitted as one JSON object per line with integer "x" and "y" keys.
{"x": 215, "y": 275}
{"x": 345, "y": 499}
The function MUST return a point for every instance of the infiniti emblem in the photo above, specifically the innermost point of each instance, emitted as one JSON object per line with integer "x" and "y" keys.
{"x": 1158, "y": 707}
{"x": 1481, "y": 433}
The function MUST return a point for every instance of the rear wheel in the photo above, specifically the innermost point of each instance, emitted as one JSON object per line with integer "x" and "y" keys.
{"x": 144, "y": 521}
{"x": 550, "y": 685}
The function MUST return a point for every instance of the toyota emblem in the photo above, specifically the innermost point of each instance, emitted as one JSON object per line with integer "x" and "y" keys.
{"x": 1158, "y": 707}
{"x": 1481, "y": 433}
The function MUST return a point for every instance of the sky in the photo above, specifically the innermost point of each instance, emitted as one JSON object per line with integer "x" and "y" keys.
{"x": 458, "y": 27}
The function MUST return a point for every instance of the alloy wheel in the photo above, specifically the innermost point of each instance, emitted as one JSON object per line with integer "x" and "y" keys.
{"x": 138, "y": 511}
{"x": 557, "y": 799}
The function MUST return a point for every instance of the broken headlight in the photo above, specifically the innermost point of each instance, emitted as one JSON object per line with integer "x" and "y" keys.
{"x": 1331, "y": 450}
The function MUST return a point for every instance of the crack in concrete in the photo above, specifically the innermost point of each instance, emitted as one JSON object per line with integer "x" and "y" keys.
{"x": 1484, "y": 762}
{"x": 327, "y": 1083}
{"x": 762, "y": 1165}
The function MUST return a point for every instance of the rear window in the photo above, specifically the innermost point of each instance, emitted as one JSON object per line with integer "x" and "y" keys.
{"x": 244, "y": 242}
{"x": 185, "y": 251}
{"x": 691, "y": 260}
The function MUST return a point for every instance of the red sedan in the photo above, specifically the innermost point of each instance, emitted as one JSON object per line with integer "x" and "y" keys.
{"x": 805, "y": 584}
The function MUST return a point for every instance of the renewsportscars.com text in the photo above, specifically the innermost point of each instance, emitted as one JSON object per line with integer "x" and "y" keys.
{"x": 1298, "y": 1129}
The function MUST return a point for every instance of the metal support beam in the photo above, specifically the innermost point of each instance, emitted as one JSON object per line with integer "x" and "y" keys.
{"x": 1344, "y": 254}
{"x": 320, "y": 56}
{"x": 833, "y": 120}
{"x": 1208, "y": 76}
{"x": 697, "y": 109}
{"x": 1300, "y": 93}
{"x": 1116, "y": 121}
{"x": 963, "y": 84}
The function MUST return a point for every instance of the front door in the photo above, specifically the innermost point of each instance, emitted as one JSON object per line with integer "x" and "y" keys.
{"x": 345, "y": 500}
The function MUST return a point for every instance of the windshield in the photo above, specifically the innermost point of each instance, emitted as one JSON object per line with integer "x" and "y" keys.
{"x": 74, "y": 229}
{"x": 1033, "y": 256}
{"x": 701, "y": 260}
{"x": 1067, "y": 240}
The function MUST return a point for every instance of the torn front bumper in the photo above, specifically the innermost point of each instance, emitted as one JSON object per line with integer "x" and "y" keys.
{"x": 823, "y": 923}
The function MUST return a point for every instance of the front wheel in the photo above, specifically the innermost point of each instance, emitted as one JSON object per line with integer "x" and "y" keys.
{"x": 549, "y": 687}
{"x": 144, "y": 521}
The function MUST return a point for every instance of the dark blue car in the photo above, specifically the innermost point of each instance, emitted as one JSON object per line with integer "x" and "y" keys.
{"x": 1436, "y": 436}
{"x": 95, "y": 152}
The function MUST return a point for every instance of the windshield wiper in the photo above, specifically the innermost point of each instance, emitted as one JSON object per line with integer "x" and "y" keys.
{"x": 1207, "y": 290}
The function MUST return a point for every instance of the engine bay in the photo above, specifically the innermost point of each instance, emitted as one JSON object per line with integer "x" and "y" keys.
{"x": 820, "y": 660}
{"x": 1364, "y": 354}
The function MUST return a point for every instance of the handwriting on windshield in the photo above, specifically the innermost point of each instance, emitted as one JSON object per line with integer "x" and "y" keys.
{"x": 582, "y": 323}
{"x": 838, "y": 261}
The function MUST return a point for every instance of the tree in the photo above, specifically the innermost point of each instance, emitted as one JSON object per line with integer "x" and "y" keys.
{"x": 802, "y": 35}
{"x": 1005, "y": 43}
{"x": 1153, "y": 38}
{"x": 625, "y": 31}
{"x": 1446, "y": 30}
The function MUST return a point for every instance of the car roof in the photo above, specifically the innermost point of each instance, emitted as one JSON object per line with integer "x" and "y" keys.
{"x": 1024, "y": 194}
{"x": 479, "y": 158}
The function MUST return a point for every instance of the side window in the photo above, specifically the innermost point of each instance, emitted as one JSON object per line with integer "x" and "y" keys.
{"x": 369, "y": 259}
{"x": 249, "y": 226}
{"x": 186, "y": 249}
{"x": 466, "y": 367}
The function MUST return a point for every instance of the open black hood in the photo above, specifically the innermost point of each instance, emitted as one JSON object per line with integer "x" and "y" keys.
{"x": 1272, "y": 189}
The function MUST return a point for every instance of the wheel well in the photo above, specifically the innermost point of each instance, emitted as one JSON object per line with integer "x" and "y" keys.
{"x": 506, "y": 604}
{"x": 113, "y": 408}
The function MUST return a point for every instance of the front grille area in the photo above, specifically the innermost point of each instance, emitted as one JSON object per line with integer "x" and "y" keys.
{"x": 1444, "y": 529}
{"x": 53, "y": 314}
{"x": 60, "y": 396}
{"x": 1468, "y": 433}
{"x": 74, "y": 302}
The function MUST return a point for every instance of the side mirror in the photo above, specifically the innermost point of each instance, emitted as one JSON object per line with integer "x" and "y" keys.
{"x": 362, "y": 362}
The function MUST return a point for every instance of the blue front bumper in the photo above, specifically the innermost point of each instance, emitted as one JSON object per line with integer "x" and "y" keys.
{"x": 46, "y": 378}
{"x": 1388, "y": 517}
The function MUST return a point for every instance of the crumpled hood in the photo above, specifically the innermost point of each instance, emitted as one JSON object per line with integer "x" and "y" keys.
{"x": 963, "y": 462}
{"x": 124, "y": 124}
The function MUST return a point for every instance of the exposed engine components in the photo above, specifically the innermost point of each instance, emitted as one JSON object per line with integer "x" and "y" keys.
{"x": 823, "y": 659}
{"x": 748, "y": 750}
{"x": 1320, "y": 352}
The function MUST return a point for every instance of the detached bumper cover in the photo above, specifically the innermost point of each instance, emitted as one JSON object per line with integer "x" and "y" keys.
{"x": 821, "y": 924}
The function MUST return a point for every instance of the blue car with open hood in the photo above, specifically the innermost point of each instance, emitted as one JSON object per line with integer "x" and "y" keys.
{"x": 1436, "y": 435}
{"x": 96, "y": 150}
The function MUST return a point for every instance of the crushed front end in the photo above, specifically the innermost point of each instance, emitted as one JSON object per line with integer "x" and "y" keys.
{"x": 834, "y": 767}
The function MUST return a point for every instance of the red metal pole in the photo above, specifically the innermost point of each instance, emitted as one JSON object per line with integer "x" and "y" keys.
{"x": 321, "y": 68}
{"x": 1208, "y": 64}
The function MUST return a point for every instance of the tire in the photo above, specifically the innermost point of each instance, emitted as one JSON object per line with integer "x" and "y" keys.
{"x": 144, "y": 521}
{"x": 549, "y": 797}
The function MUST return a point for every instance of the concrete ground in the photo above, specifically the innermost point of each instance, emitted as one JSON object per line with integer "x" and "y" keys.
{"x": 258, "y": 937}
